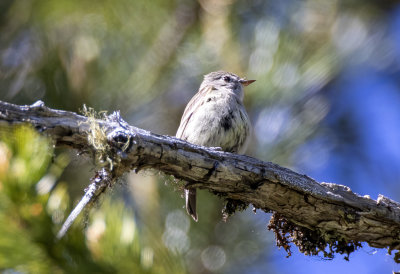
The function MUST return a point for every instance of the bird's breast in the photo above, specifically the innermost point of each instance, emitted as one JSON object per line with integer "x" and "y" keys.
{"x": 219, "y": 121}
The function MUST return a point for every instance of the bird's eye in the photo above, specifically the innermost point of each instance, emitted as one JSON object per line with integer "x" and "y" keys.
{"x": 227, "y": 79}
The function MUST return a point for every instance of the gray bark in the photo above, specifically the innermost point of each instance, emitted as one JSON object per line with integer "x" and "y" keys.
{"x": 331, "y": 210}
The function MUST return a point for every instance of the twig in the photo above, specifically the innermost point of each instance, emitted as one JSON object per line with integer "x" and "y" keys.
{"x": 99, "y": 184}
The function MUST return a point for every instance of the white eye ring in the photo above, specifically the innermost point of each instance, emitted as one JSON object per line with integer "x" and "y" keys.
{"x": 227, "y": 79}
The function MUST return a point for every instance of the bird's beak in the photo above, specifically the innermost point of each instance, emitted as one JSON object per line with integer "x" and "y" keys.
{"x": 245, "y": 82}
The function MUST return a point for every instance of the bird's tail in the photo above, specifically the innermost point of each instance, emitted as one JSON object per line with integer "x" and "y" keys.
{"x": 190, "y": 195}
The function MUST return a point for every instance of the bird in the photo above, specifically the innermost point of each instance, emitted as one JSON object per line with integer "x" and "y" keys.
{"x": 216, "y": 117}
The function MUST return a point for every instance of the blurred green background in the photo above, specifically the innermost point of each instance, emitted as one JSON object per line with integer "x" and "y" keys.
{"x": 326, "y": 103}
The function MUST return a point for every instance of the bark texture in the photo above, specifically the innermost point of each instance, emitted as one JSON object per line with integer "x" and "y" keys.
{"x": 319, "y": 213}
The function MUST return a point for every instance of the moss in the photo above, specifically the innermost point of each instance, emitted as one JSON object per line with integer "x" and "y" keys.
{"x": 310, "y": 242}
{"x": 97, "y": 137}
{"x": 105, "y": 152}
{"x": 231, "y": 206}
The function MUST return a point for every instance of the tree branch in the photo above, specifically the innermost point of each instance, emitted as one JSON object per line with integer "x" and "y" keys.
{"x": 328, "y": 212}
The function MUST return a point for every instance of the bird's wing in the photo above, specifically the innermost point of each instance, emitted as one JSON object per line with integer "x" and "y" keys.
{"x": 192, "y": 106}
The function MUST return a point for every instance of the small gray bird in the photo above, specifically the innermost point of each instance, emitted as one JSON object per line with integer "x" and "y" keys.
{"x": 215, "y": 117}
